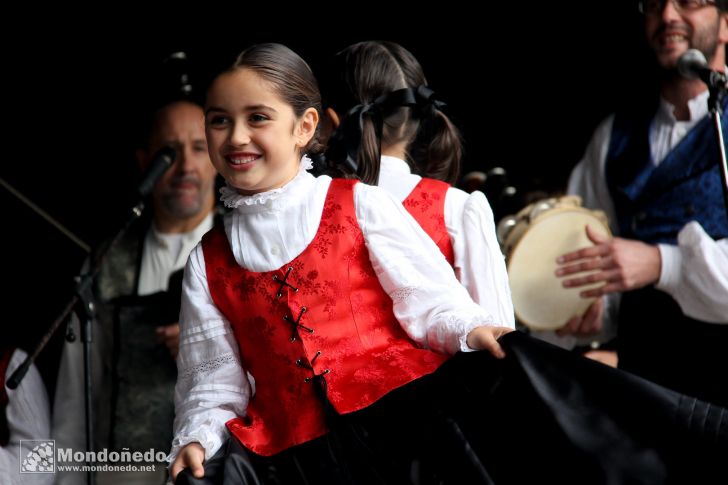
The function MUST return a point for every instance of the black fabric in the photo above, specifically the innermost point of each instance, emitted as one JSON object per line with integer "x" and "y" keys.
{"x": 660, "y": 343}
{"x": 411, "y": 435}
{"x": 541, "y": 415}
{"x": 557, "y": 417}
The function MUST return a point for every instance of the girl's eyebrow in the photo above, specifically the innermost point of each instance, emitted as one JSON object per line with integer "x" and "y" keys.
{"x": 256, "y": 107}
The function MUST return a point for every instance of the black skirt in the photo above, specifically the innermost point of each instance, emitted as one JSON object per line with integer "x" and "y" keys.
{"x": 540, "y": 415}
{"x": 420, "y": 433}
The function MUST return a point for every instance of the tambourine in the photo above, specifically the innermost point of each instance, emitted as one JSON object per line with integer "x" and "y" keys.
{"x": 532, "y": 240}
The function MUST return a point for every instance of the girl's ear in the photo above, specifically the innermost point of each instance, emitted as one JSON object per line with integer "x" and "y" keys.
{"x": 333, "y": 118}
{"x": 329, "y": 123}
{"x": 306, "y": 127}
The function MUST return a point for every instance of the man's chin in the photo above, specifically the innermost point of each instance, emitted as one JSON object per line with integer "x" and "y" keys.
{"x": 184, "y": 207}
{"x": 667, "y": 60}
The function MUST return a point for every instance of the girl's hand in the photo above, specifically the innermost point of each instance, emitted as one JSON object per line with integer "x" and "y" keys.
{"x": 485, "y": 338}
{"x": 191, "y": 456}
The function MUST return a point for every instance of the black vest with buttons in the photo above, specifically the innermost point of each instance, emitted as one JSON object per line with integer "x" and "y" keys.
{"x": 653, "y": 203}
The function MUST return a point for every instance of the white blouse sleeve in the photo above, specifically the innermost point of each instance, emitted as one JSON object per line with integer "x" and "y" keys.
{"x": 28, "y": 411}
{"x": 588, "y": 179}
{"x": 212, "y": 387}
{"x": 479, "y": 264}
{"x": 430, "y": 304}
{"x": 695, "y": 274}
{"x": 28, "y": 415}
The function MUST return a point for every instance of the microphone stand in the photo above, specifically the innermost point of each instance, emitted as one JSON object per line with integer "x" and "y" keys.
{"x": 717, "y": 92}
{"x": 81, "y": 301}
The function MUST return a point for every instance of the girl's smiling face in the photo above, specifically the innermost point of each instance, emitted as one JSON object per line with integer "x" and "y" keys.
{"x": 254, "y": 137}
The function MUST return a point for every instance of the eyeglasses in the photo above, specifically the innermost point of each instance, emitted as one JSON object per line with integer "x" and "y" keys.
{"x": 654, "y": 7}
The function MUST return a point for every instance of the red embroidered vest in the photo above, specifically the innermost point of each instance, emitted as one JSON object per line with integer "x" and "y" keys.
{"x": 325, "y": 316}
{"x": 426, "y": 203}
{"x": 5, "y": 356}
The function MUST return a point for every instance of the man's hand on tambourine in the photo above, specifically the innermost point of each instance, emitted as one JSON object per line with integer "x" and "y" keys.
{"x": 588, "y": 324}
{"x": 621, "y": 264}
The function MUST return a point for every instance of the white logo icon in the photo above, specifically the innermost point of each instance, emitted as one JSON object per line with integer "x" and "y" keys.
{"x": 39, "y": 457}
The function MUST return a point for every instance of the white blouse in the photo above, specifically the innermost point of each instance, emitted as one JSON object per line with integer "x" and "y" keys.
{"x": 270, "y": 229}
{"x": 29, "y": 418}
{"x": 695, "y": 271}
{"x": 479, "y": 264}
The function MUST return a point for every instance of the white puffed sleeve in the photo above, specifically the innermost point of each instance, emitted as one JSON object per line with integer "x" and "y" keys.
{"x": 212, "y": 387}
{"x": 431, "y": 305}
{"x": 479, "y": 264}
{"x": 695, "y": 274}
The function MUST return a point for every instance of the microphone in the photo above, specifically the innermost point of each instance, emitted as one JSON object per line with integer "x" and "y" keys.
{"x": 693, "y": 65}
{"x": 17, "y": 376}
{"x": 161, "y": 161}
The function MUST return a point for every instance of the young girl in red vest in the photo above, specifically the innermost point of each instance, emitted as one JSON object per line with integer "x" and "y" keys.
{"x": 314, "y": 324}
{"x": 392, "y": 133}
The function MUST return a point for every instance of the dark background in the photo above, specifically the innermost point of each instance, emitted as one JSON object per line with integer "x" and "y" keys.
{"x": 526, "y": 83}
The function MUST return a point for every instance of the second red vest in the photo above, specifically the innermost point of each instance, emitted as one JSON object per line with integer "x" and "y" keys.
{"x": 325, "y": 316}
{"x": 426, "y": 203}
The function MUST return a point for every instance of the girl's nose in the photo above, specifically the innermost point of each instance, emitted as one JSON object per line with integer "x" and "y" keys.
{"x": 240, "y": 135}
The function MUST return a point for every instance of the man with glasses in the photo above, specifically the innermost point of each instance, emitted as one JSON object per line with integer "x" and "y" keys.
{"x": 655, "y": 170}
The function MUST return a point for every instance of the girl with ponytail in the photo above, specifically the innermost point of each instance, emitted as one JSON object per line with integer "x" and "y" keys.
{"x": 390, "y": 131}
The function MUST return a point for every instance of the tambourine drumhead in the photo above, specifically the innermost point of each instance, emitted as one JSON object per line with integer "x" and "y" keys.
{"x": 539, "y": 299}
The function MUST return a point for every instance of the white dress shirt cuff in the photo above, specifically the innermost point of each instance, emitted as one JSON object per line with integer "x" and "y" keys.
{"x": 470, "y": 325}
{"x": 671, "y": 267}
{"x": 210, "y": 441}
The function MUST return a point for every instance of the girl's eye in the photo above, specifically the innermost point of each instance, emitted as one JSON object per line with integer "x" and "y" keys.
{"x": 218, "y": 120}
{"x": 257, "y": 118}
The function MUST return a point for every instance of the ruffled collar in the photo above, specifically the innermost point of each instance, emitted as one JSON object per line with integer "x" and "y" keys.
{"x": 232, "y": 199}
